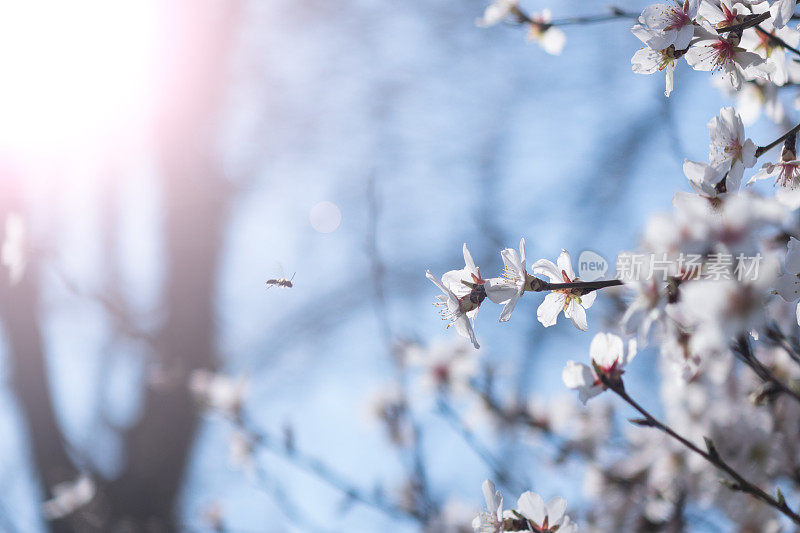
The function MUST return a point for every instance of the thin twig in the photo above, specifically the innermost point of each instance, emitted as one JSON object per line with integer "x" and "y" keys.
{"x": 774, "y": 333}
{"x": 500, "y": 472}
{"x": 615, "y": 13}
{"x": 518, "y": 415}
{"x": 777, "y": 40}
{"x": 744, "y": 352}
{"x": 712, "y": 456}
{"x": 585, "y": 287}
{"x": 761, "y": 150}
{"x": 747, "y": 23}
{"x": 323, "y": 472}
{"x": 416, "y": 460}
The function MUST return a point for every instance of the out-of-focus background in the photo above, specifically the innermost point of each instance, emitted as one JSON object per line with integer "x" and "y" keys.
{"x": 169, "y": 157}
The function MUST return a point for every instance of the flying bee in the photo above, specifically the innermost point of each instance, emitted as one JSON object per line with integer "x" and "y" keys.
{"x": 281, "y": 282}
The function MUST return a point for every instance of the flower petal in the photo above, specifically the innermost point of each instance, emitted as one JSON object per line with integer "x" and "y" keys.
{"x": 500, "y": 291}
{"x": 549, "y": 269}
{"x": 565, "y": 263}
{"x": 788, "y": 286}
{"x": 464, "y": 328}
{"x": 793, "y": 256}
{"x": 555, "y": 510}
{"x": 576, "y": 375}
{"x": 531, "y": 506}
{"x": 548, "y": 311}
{"x": 509, "y": 308}
{"x": 588, "y": 299}
{"x": 605, "y": 349}
{"x": 577, "y": 314}
{"x": 470, "y": 264}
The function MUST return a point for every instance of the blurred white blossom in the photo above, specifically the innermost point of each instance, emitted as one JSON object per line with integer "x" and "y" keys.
{"x": 220, "y": 392}
{"x": 13, "y": 252}
{"x": 68, "y": 497}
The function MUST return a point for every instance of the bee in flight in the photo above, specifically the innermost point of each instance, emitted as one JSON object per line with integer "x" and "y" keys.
{"x": 280, "y": 282}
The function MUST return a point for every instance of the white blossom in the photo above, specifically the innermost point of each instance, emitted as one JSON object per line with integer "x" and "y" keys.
{"x": 704, "y": 178}
{"x": 647, "y": 61}
{"x": 764, "y": 45}
{"x": 788, "y": 283}
{"x": 570, "y": 301}
{"x": 550, "y": 38}
{"x": 456, "y": 311}
{"x": 646, "y": 308}
{"x": 497, "y": 12}
{"x": 546, "y": 517}
{"x": 491, "y": 520}
{"x": 445, "y": 366}
{"x": 756, "y": 97}
{"x": 457, "y": 280}
{"x": 676, "y": 347}
{"x": 718, "y": 310}
{"x": 787, "y": 178}
{"x": 508, "y": 289}
{"x": 671, "y": 24}
{"x": 782, "y": 11}
{"x": 722, "y": 13}
{"x": 608, "y": 355}
{"x": 729, "y": 149}
{"x": 719, "y": 53}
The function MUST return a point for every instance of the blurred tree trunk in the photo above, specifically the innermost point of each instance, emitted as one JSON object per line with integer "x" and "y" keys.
{"x": 19, "y": 309}
{"x": 199, "y": 38}
{"x": 196, "y": 200}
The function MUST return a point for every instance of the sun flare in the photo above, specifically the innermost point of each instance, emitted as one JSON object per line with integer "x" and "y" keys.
{"x": 74, "y": 73}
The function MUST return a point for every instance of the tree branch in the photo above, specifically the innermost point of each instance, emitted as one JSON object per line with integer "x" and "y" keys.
{"x": 711, "y": 456}
{"x": 761, "y": 150}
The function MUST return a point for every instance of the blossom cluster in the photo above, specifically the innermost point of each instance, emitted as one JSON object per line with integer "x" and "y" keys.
{"x": 531, "y": 514}
{"x": 709, "y": 308}
{"x": 725, "y": 330}
{"x": 464, "y": 290}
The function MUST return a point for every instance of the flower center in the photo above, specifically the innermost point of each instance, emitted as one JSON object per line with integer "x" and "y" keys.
{"x": 724, "y": 50}
{"x": 787, "y": 177}
{"x": 677, "y": 18}
{"x": 765, "y": 42}
{"x": 730, "y": 17}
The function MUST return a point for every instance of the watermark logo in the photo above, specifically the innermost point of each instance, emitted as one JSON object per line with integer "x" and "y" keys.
{"x": 591, "y": 266}
{"x": 685, "y": 266}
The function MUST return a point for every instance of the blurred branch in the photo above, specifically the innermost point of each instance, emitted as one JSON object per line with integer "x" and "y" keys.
{"x": 737, "y": 482}
{"x": 789, "y": 345}
{"x": 499, "y": 472}
{"x": 614, "y": 13}
{"x": 114, "y": 306}
{"x": 417, "y": 468}
{"x": 377, "y": 266}
{"x": 323, "y": 472}
{"x": 517, "y": 416}
{"x": 777, "y": 40}
{"x": 290, "y": 510}
{"x": 743, "y": 351}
